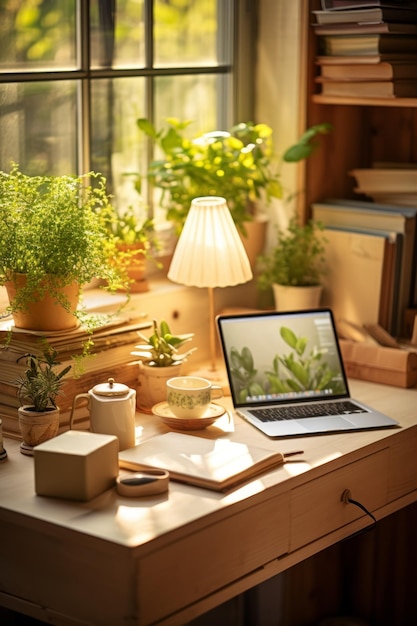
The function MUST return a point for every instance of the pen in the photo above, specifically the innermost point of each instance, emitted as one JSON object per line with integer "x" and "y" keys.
{"x": 292, "y": 453}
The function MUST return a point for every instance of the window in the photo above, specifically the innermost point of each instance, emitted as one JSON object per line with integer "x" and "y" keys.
{"x": 76, "y": 75}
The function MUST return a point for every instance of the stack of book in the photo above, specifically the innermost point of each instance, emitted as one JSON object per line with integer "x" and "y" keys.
{"x": 367, "y": 49}
{"x": 390, "y": 184}
{"x": 109, "y": 356}
{"x": 371, "y": 256}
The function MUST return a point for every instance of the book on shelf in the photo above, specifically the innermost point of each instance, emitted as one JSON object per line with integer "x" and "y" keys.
{"x": 218, "y": 464}
{"x": 372, "y": 217}
{"x": 393, "y": 70}
{"x": 367, "y": 28}
{"x": 389, "y": 180}
{"x": 402, "y": 199}
{"x": 341, "y": 5}
{"x": 361, "y": 15}
{"x": 366, "y": 59}
{"x": 352, "y": 45}
{"x": 368, "y": 89}
{"x": 362, "y": 275}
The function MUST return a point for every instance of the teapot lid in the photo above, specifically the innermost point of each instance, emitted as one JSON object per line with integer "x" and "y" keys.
{"x": 111, "y": 388}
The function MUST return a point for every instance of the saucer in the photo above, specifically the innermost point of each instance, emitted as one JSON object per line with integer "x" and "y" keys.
{"x": 213, "y": 412}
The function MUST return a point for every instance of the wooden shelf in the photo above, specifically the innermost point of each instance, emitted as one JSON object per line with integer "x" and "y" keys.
{"x": 379, "y": 102}
{"x": 364, "y": 131}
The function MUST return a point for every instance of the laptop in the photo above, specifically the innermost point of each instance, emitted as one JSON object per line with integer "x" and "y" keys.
{"x": 286, "y": 374}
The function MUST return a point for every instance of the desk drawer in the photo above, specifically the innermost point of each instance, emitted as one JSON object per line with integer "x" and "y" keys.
{"x": 403, "y": 464}
{"x": 317, "y": 508}
{"x": 202, "y": 562}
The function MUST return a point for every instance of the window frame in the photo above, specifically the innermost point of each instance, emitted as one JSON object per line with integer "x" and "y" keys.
{"x": 236, "y": 104}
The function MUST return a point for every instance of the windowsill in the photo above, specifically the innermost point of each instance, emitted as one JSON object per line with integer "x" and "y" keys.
{"x": 185, "y": 309}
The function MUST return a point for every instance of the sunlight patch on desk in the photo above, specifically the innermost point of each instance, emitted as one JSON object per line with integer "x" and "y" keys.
{"x": 250, "y": 489}
{"x": 138, "y": 522}
{"x": 295, "y": 468}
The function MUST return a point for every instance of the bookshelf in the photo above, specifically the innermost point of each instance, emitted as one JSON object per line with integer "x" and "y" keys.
{"x": 365, "y": 130}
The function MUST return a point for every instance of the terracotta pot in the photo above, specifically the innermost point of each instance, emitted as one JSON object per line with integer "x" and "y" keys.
{"x": 136, "y": 266}
{"x": 152, "y": 385}
{"x": 45, "y": 314}
{"x": 296, "y": 298}
{"x": 36, "y": 428}
{"x": 254, "y": 241}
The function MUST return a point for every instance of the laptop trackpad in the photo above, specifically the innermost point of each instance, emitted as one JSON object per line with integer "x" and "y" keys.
{"x": 326, "y": 424}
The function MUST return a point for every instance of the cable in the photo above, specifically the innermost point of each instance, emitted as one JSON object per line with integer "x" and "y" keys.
{"x": 348, "y": 500}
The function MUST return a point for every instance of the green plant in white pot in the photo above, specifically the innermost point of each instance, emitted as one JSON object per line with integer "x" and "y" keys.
{"x": 293, "y": 269}
{"x": 54, "y": 239}
{"x": 160, "y": 359}
{"x": 37, "y": 390}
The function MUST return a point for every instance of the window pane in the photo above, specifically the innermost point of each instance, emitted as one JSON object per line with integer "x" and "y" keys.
{"x": 37, "y": 35}
{"x": 185, "y": 33}
{"x": 38, "y": 127}
{"x": 117, "y": 39}
{"x": 188, "y": 98}
{"x": 116, "y": 144}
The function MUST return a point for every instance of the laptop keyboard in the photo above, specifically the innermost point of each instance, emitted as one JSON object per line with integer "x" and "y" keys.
{"x": 297, "y": 411}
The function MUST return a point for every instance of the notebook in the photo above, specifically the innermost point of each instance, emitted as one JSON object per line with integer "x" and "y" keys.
{"x": 286, "y": 374}
{"x": 217, "y": 464}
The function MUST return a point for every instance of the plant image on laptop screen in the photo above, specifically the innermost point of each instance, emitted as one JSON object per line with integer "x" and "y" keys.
{"x": 292, "y": 357}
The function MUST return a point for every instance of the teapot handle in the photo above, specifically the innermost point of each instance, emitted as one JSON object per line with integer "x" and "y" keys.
{"x": 80, "y": 396}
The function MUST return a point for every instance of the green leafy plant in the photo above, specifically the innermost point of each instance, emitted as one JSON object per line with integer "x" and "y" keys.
{"x": 40, "y": 384}
{"x": 297, "y": 258}
{"x": 244, "y": 373}
{"x": 130, "y": 226}
{"x": 161, "y": 348}
{"x": 55, "y": 231}
{"x": 136, "y": 239}
{"x": 239, "y": 165}
{"x": 298, "y": 371}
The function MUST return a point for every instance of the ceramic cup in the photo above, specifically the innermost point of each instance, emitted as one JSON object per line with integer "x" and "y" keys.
{"x": 190, "y": 396}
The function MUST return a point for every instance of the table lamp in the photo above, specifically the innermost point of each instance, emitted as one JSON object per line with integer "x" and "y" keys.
{"x": 210, "y": 253}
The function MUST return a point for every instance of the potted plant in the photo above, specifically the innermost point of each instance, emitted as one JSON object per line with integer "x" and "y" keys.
{"x": 54, "y": 238}
{"x": 160, "y": 360}
{"x": 136, "y": 242}
{"x": 240, "y": 165}
{"x": 38, "y": 388}
{"x": 295, "y": 266}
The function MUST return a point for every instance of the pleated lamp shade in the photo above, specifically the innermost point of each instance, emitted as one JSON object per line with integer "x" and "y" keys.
{"x": 209, "y": 252}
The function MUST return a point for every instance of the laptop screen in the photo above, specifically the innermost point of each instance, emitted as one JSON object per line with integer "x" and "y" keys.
{"x": 283, "y": 357}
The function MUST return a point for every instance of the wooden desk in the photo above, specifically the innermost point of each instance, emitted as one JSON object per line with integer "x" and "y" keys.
{"x": 167, "y": 559}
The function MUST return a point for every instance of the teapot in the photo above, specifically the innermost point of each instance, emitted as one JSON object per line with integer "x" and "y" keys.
{"x": 112, "y": 408}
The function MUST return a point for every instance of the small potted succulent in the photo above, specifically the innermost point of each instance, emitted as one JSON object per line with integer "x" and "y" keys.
{"x": 37, "y": 390}
{"x": 295, "y": 266}
{"x": 160, "y": 359}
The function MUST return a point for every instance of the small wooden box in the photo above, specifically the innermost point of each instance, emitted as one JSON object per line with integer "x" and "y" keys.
{"x": 76, "y": 465}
